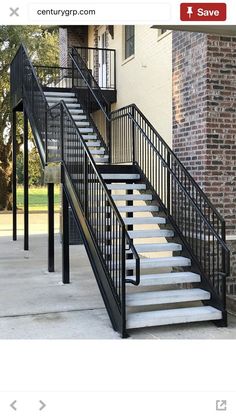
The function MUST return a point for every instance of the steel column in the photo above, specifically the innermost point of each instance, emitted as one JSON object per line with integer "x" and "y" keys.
{"x": 65, "y": 240}
{"x": 14, "y": 181}
{"x": 51, "y": 227}
{"x": 26, "y": 185}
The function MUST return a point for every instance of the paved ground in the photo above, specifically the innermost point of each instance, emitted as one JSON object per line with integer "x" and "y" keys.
{"x": 35, "y": 305}
{"x": 37, "y": 223}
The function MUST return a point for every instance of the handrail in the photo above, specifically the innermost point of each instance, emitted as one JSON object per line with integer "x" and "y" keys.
{"x": 91, "y": 93}
{"x": 107, "y": 192}
{"x": 170, "y": 151}
{"x": 196, "y": 219}
{"x": 33, "y": 71}
{"x": 105, "y": 73}
{"x": 179, "y": 183}
{"x": 87, "y": 83}
{"x": 94, "y": 48}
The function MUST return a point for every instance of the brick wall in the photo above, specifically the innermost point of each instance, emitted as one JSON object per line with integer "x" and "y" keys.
{"x": 204, "y": 120}
{"x": 70, "y": 36}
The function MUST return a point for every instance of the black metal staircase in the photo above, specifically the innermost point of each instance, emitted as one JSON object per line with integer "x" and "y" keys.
{"x": 155, "y": 242}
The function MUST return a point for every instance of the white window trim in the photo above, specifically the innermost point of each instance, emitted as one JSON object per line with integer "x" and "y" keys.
{"x": 160, "y": 37}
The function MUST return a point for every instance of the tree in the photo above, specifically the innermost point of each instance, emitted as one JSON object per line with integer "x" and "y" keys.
{"x": 36, "y": 175}
{"x": 42, "y": 45}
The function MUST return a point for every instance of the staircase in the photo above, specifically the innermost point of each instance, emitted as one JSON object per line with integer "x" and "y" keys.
{"x": 155, "y": 242}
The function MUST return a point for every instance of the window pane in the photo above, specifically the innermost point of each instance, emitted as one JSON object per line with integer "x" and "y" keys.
{"x": 129, "y": 40}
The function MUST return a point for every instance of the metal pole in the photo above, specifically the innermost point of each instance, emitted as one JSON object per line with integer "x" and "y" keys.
{"x": 65, "y": 240}
{"x": 14, "y": 181}
{"x": 26, "y": 185}
{"x": 51, "y": 227}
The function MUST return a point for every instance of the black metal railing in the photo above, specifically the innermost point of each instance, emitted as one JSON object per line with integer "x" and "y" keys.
{"x": 101, "y": 63}
{"x": 25, "y": 83}
{"x": 107, "y": 226}
{"x": 54, "y": 77}
{"x": 135, "y": 140}
{"x": 91, "y": 97}
{"x": 65, "y": 144}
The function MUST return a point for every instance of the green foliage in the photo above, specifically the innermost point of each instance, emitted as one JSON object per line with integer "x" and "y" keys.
{"x": 43, "y": 46}
{"x": 36, "y": 175}
{"x": 20, "y": 168}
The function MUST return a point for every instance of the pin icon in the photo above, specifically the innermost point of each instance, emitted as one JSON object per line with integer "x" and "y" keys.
{"x": 190, "y": 11}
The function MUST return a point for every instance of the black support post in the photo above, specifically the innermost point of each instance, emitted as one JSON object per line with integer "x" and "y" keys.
{"x": 26, "y": 185}
{"x": 14, "y": 183}
{"x": 51, "y": 267}
{"x": 65, "y": 240}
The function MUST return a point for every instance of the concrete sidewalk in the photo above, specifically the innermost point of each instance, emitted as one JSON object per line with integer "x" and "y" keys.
{"x": 35, "y": 305}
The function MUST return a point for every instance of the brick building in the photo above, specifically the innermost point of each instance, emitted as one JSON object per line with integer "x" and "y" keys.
{"x": 185, "y": 82}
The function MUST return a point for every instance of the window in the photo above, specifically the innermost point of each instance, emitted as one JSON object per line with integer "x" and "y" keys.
{"x": 129, "y": 40}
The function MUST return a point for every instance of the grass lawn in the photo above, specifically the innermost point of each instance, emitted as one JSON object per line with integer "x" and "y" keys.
{"x": 37, "y": 198}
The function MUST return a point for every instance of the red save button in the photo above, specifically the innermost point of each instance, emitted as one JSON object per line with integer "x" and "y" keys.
{"x": 203, "y": 12}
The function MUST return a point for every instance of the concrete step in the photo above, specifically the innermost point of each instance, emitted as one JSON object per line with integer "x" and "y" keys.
{"x": 170, "y": 278}
{"x": 131, "y": 197}
{"x": 126, "y": 186}
{"x": 158, "y": 247}
{"x": 104, "y": 159}
{"x": 72, "y": 106}
{"x": 138, "y": 208}
{"x": 59, "y": 94}
{"x": 85, "y": 130}
{"x": 89, "y": 136}
{"x": 162, "y": 262}
{"x": 120, "y": 176}
{"x": 93, "y": 143}
{"x": 174, "y": 316}
{"x": 81, "y": 124}
{"x": 144, "y": 220}
{"x": 74, "y": 109}
{"x": 150, "y": 233}
{"x": 166, "y": 297}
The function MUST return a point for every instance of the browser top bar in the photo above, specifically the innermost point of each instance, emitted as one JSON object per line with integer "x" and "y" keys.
{"x": 162, "y": 12}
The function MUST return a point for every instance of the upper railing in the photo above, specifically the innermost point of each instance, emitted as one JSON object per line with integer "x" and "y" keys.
{"x": 52, "y": 76}
{"x": 24, "y": 83}
{"x": 135, "y": 140}
{"x": 101, "y": 63}
{"x": 91, "y": 96}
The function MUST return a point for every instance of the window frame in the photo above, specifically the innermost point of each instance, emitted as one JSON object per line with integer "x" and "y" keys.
{"x": 128, "y": 39}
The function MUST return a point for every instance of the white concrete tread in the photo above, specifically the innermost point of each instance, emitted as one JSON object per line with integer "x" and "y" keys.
{"x": 166, "y": 297}
{"x": 150, "y": 233}
{"x": 101, "y": 159}
{"x": 144, "y": 220}
{"x": 126, "y": 186}
{"x": 131, "y": 197}
{"x": 162, "y": 262}
{"x": 89, "y": 136}
{"x": 82, "y": 124}
{"x": 170, "y": 278}
{"x": 85, "y": 130}
{"x": 59, "y": 94}
{"x": 93, "y": 143}
{"x": 174, "y": 316}
{"x": 158, "y": 247}
{"x": 121, "y": 176}
{"x": 138, "y": 208}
